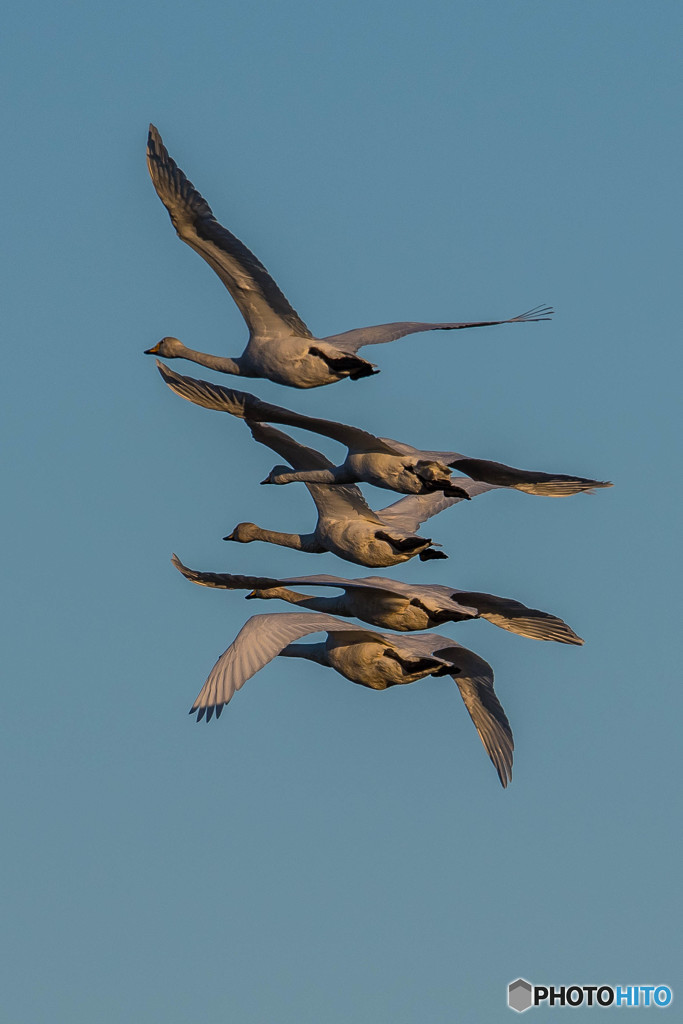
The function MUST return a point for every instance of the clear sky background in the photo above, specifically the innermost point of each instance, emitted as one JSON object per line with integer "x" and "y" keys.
{"x": 325, "y": 853}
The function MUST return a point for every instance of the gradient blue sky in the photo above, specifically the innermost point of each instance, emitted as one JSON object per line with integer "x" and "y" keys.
{"x": 325, "y": 853}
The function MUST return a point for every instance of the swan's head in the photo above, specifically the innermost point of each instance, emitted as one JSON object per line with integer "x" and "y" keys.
{"x": 170, "y": 348}
{"x": 244, "y": 533}
{"x": 275, "y": 475}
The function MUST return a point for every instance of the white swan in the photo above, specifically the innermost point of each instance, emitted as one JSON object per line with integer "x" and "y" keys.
{"x": 346, "y": 525}
{"x": 370, "y": 459}
{"x": 375, "y": 660}
{"x": 280, "y": 347}
{"x": 391, "y": 604}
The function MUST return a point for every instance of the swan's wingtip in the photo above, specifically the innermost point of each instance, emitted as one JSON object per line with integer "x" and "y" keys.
{"x": 597, "y": 483}
{"x": 177, "y": 563}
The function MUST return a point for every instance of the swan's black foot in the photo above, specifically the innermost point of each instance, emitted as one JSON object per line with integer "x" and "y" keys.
{"x": 351, "y": 365}
{"x": 456, "y": 492}
{"x": 425, "y": 556}
{"x": 368, "y": 370}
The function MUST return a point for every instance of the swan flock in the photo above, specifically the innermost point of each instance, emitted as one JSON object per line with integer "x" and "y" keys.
{"x": 281, "y": 348}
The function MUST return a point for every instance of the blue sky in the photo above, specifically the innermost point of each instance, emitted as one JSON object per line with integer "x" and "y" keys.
{"x": 326, "y": 853}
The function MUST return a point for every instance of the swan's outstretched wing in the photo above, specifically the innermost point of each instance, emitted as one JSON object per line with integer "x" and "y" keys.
{"x": 225, "y": 580}
{"x": 341, "y": 501}
{"x": 260, "y": 640}
{"x": 516, "y": 617}
{"x": 408, "y": 513}
{"x": 351, "y": 341}
{"x": 246, "y": 406}
{"x": 551, "y": 485}
{"x": 474, "y": 678}
{"x": 260, "y": 301}
{"x": 232, "y": 581}
{"x": 490, "y": 721}
{"x": 511, "y": 615}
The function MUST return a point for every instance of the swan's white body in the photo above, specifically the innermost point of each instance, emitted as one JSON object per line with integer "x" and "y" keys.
{"x": 392, "y": 604}
{"x": 374, "y": 460}
{"x": 347, "y": 526}
{"x": 375, "y": 660}
{"x": 281, "y": 347}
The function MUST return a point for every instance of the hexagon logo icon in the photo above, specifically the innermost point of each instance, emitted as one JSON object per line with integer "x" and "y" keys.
{"x": 519, "y": 995}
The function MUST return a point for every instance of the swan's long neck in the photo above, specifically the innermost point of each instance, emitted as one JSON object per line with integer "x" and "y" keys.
{"x": 316, "y": 604}
{"x": 310, "y": 476}
{"x": 311, "y": 652}
{"x": 300, "y": 541}
{"x": 222, "y": 363}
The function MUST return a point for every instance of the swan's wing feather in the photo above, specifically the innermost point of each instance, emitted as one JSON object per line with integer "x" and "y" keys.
{"x": 260, "y": 301}
{"x": 490, "y": 721}
{"x": 474, "y": 678}
{"x": 408, "y": 513}
{"x": 260, "y": 640}
{"x": 297, "y": 455}
{"x": 334, "y": 500}
{"x": 354, "y": 438}
{"x": 400, "y": 448}
{"x": 225, "y": 580}
{"x": 552, "y": 485}
{"x": 518, "y": 618}
{"x": 247, "y": 406}
{"x": 213, "y": 396}
{"x": 351, "y": 341}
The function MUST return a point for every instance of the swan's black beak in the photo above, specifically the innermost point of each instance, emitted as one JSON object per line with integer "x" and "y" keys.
{"x": 231, "y": 536}
{"x": 251, "y": 596}
{"x": 267, "y": 480}
{"x": 153, "y": 351}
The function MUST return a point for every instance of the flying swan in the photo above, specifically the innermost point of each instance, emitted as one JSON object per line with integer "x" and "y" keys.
{"x": 346, "y": 525}
{"x": 375, "y": 660}
{"x": 370, "y": 459}
{"x": 280, "y": 346}
{"x": 391, "y": 604}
